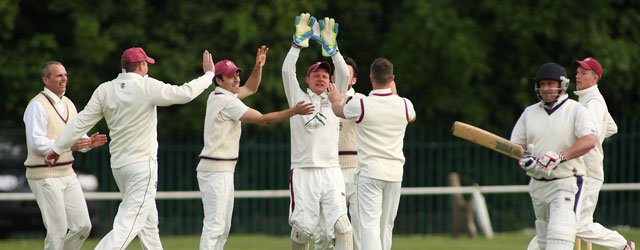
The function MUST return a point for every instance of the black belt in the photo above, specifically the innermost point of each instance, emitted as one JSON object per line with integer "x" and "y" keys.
{"x": 217, "y": 159}
{"x": 347, "y": 152}
{"x": 54, "y": 165}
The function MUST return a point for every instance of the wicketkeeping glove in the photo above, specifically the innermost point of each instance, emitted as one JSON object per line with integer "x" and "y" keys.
{"x": 303, "y": 23}
{"x": 328, "y": 35}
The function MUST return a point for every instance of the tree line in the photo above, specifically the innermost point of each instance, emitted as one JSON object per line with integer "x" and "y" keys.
{"x": 456, "y": 60}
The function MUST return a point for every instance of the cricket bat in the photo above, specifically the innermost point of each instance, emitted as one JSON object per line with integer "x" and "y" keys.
{"x": 487, "y": 139}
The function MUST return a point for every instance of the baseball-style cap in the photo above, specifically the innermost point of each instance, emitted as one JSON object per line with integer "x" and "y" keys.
{"x": 226, "y": 68}
{"x": 318, "y": 65}
{"x": 590, "y": 63}
{"x": 137, "y": 54}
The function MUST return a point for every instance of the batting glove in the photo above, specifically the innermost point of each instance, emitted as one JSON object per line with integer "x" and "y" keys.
{"x": 328, "y": 35}
{"x": 527, "y": 163}
{"x": 549, "y": 161}
{"x": 303, "y": 23}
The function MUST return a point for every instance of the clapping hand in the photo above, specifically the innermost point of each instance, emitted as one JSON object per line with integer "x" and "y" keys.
{"x": 97, "y": 140}
{"x": 302, "y": 108}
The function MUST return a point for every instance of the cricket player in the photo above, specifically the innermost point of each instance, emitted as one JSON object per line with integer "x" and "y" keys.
{"x": 315, "y": 170}
{"x": 381, "y": 121}
{"x": 588, "y": 72}
{"x": 225, "y": 113}
{"x": 56, "y": 188}
{"x": 556, "y": 131}
{"x": 128, "y": 103}
{"x": 347, "y": 155}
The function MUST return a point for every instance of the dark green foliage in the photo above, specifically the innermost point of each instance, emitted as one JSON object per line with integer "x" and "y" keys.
{"x": 456, "y": 60}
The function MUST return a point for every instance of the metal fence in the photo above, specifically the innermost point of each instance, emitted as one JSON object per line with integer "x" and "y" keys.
{"x": 431, "y": 154}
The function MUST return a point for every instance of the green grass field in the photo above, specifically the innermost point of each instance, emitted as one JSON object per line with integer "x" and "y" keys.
{"x": 502, "y": 241}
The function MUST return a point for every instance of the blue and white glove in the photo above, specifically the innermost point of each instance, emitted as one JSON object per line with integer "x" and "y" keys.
{"x": 328, "y": 35}
{"x": 527, "y": 163}
{"x": 303, "y": 23}
{"x": 549, "y": 161}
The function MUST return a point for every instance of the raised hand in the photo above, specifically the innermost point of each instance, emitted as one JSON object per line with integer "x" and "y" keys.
{"x": 328, "y": 36}
{"x": 261, "y": 55}
{"x": 303, "y": 23}
{"x": 333, "y": 93}
{"x": 302, "y": 108}
{"x": 97, "y": 140}
{"x": 207, "y": 62}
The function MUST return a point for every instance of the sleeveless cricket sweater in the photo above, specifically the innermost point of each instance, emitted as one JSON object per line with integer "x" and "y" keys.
{"x": 36, "y": 168}
{"x": 221, "y": 137}
{"x": 347, "y": 146}
{"x": 380, "y": 131}
{"x": 553, "y": 130}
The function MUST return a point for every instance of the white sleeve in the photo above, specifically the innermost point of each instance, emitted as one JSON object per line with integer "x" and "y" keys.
{"x": 597, "y": 111}
{"x": 411, "y": 112}
{"x": 289, "y": 80}
{"x": 234, "y": 110}
{"x": 583, "y": 124}
{"x": 612, "y": 127}
{"x": 519, "y": 132}
{"x": 341, "y": 72}
{"x": 84, "y": 121}
{"x": 163, "y": 94}
{"x": 35, "y": 124}
{"x": 352, "y": 110}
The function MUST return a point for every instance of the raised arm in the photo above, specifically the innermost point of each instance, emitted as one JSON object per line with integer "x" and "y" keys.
{"x": 162, "y": 94}
{"x": 336, "y": 98}
{"x": 253, "y": 82}
{"x": 254, "y": 116}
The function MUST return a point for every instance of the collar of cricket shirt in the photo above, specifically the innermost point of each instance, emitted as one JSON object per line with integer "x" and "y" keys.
{"x": 313, "y": 95}
{"x": 220, "y": 90}
{"x": 381, "y": 92}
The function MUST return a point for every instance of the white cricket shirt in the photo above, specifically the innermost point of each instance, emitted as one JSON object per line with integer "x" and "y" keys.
{"x": 314, "y": 138}
{"x": 382, "y": 119}
{"x": 128, "y": 105}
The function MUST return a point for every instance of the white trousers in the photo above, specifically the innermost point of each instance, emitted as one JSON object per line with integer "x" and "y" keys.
{"x": 378, "y": 203}
{"x": 315, "y": 191}
{"x": 137, "y": 214}
{"x": 64, "y": 211}
{"x": 348, "y": 174}
{"x": 553, "y": 204}
{"x": 217, "y": 201}
{"x": 588, "y": 229}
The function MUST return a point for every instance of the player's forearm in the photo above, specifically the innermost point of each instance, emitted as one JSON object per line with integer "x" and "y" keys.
{"x": 275, "y": 117}
{"x": 581, "y": 147}
{"x": 341, "y": 72}
{"x": 291, "y": 86}
{"x": 338, "y": 108}
{"x": 253, "y": 82}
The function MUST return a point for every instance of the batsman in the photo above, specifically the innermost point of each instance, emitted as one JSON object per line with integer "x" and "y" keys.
{"x": 556, "y": 131}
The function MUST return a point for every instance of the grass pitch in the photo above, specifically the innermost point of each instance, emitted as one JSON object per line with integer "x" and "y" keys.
{"x": 502, "y": 241}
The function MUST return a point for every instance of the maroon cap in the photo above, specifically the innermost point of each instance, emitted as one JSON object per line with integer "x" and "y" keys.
{"x": 590, "y": 63}
{"x": 137, "y": 54}
{"x": 226, "y": 68}
{"x": 320, "y": 64}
